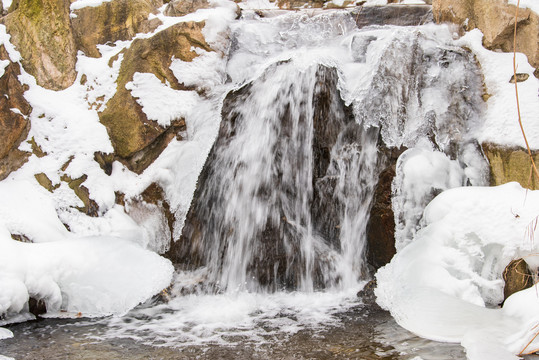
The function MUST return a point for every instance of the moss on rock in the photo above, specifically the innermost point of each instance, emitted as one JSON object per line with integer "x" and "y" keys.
{"x": 41, "y": 31}
{"x": 510, "y": 164}
{"x": 112, "y": 21}
{"x": 129, "y": 129}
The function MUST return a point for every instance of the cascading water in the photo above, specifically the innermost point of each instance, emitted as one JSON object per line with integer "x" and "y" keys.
{"x": 284, "y": 197}
{"x": 275, "y": 238}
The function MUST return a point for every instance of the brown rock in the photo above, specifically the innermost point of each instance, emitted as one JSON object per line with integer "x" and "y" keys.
{"x": 41, "y": 31}
{"x": 14, "y": 125}
{"x": 184, "y": 7}
{"x": 138, "y": 141}
{"x": 496, "y": 19}
{"x": 517, "y": 277}
{"x": 90, "y": 207}
{"x": 519, "y": 78}
{"x": 44, "y": 181}
{"x": 510, "y": 164}
{"x": 112, "y": 21}
{"x": 37, "y": 306}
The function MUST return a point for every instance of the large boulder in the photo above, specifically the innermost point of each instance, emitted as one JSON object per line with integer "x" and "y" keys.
{"x": 137, "y": 141}
{"x": 14, "y": 109}
{"x": 41, "y": 31}
{"x": 112, "y": 21}
{"x": 496, "y": 19}
{"x": 511, "y": 164}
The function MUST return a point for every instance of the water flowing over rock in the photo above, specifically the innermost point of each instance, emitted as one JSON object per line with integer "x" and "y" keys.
{"x": 278, "y": 196}
{"x": 112, "y": 21}
{"x": 14, "y": 110}
{"x": 41, "y": 31}
{"x": 285, "y": 196}
{"x": 138, "y": 141}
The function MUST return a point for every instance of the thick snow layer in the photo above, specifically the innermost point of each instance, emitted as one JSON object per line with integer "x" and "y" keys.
{"x": 501, "y": 121}
{"x": 443, "y": 285}
{"x": 79, "y": 4}
{"x": 531, "y": 4}
{"x": 94, "y": 276}
{"x": 159, "y": 101}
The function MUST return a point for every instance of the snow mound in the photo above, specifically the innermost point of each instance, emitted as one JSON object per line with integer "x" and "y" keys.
{"x": 91, "y": 275}
{"x": 447, "y": 283}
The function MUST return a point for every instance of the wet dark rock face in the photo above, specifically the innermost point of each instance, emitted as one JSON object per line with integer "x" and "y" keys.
{"x": 276, "y": 260}
{"x": 399, "y": 15}
{"x": 381, "y": 225}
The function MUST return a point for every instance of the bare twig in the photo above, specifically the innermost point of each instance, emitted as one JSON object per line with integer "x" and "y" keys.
{"x": 524, "y": 352}
{"x": 516, "y": 91}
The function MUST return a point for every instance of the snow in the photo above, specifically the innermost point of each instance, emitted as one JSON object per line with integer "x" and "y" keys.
{"x": 3, "y": 65}
{"x": 5, "y": 334}
{"x": 94, "y": 276}
{"x": 6, "y": 3}
{"x": 79, "y": 4}
{"x": 443, "y": 284}
{"x": 159, "y": 101}
{"x": 105, "y": 264}
{"x": 530, "y": 4}
{"x": 501, "y": 120}
{"x": 446, "y": 283}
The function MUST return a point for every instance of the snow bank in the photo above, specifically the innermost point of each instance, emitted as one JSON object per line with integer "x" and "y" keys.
{"x": 103, "y": 264}
{"x": 95, "y": 276}
{"x": 447, "y": 283}
{"x": 501, "y": 120}
{"x": 531, "y": 4}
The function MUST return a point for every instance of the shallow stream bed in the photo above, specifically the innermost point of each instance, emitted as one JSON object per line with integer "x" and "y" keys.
{"x": 365, "y": 332}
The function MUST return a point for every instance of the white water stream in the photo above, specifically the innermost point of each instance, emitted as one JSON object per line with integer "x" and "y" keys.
{"x": 404, "y": 87}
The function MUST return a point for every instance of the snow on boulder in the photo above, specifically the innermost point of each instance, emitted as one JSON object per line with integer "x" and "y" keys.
{"x": 446, "y": 285}
{"x": 92, "y": 275}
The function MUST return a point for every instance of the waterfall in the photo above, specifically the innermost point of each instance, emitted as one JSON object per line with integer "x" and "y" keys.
{"x": 314, "y": 110}
{"x": 283, "y": 200}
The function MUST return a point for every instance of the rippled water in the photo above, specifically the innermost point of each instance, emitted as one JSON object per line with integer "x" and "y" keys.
{"x": 361, "y": 332}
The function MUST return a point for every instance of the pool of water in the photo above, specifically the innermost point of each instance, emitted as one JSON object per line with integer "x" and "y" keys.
{"x": 360, "y": 332}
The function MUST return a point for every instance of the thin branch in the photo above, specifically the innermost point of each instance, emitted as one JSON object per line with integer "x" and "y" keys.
{"x": 516, "y": 91}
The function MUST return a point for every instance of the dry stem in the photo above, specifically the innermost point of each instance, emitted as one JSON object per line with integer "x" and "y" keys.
{"x": 516, "y": 91}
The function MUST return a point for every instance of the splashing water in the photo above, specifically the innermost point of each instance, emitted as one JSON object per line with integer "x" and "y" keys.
{"x": 275, "y": 239}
